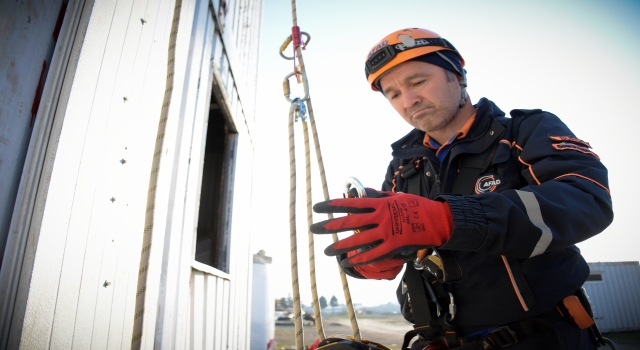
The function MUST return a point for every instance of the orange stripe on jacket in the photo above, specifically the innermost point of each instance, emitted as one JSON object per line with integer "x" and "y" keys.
{"x": 586, "y": 178}
{"x": 507, "y": 142}
{"x": 513, "y": 282}
{"x": 530, "y": 170}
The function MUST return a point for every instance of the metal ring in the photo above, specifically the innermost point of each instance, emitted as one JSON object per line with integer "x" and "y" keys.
{"x": 355, "y": 183}
{"x": 305, "y": 83}
{"x": 288, "y": 40}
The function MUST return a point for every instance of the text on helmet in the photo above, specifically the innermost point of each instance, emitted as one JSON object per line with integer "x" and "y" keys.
{"x": 378, "y": 47}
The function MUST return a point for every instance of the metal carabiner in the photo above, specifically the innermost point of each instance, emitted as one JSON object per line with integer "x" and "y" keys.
{"x": 288, "y": 40}
{"x": 452, "y": 309}
{"x": 361, "y": 192}
{"x": 287, "y": 87}
{"x": 352, "y": 182}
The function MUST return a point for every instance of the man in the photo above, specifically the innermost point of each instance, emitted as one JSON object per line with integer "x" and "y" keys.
{"x": 499, "y": 202}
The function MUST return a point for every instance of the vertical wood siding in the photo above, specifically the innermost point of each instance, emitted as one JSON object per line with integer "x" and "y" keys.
{"x": 615, "y": 299}
{"x": 87, "y": 235}
{"x": 225, "y": 323}
{"x": 85, "y": 256}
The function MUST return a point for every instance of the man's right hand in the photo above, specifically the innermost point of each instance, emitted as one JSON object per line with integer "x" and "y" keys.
{"x": 386, "y": 269}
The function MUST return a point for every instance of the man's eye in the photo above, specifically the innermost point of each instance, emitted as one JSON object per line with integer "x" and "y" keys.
{"x": 419, "y": 82}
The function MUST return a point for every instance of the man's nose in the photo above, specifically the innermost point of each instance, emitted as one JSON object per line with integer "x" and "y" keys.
{"x": 410, "y": 99}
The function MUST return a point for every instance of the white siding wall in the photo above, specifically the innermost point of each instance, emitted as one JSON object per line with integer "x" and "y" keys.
{"x": 85, "y": 250}
{"x": 233, "y": 55}
{"x": 82, "y": 257}
{"x": 615, "y": 299}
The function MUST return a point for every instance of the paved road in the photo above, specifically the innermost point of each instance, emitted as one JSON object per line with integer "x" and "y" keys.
{"x": 389, "y": 330}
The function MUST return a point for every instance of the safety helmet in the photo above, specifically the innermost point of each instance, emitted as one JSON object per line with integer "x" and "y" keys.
{"x": 401, "y": 46}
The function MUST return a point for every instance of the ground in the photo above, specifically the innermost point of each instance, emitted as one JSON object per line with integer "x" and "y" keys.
{"x": 389, "y": 330}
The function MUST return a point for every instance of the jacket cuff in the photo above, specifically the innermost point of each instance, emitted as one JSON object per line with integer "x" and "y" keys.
{"x": 469, "y": 223}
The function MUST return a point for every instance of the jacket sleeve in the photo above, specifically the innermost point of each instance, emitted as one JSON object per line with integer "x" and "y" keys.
{"x": 387, "y": 185}
{"x": 566, "y": 199}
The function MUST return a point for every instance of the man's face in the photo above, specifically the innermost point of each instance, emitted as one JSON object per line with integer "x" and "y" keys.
{"x": 422, "y": 94}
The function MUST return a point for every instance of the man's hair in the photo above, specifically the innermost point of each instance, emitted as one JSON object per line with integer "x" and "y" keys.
{"x": 450, "y": 76}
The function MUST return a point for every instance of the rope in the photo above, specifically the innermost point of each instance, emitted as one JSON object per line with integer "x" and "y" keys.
{"x": 317, "y": 315}
{"x": 297, "y": 310}
{"x": 325, "y": 189}
{"x": 297, "y": 105}
{"x": 138, "y": 321}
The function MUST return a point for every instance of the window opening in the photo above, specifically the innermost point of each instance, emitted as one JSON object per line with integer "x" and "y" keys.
{"x": 216, "y": 191}
{"x": 594, "y": 277}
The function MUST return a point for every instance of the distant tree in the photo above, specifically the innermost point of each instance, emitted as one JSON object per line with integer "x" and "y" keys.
{"x": 289, "y": 301}
{"x": 323, "y": 302}
{"x": 334, "y": 301}
{"x": 283, "y": 302}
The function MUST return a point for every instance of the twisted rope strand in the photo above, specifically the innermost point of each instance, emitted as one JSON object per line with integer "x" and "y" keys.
{"x": 297, "y": 313}
{"x": 145, "y": 254}
{"x": 343, "y": 277}
{"x": 325, "y": 189}
{"x": 312, "y": 260}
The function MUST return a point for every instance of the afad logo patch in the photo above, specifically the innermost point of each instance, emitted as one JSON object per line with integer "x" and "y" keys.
{"x": 486, "y": 183}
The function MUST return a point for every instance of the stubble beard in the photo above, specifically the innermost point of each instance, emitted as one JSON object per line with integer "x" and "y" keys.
{"x": 436, "y": 120}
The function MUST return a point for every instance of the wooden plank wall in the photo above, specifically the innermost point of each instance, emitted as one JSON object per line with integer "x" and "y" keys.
{"x": 86, "y": 234}
{"x": 226, "y": 323}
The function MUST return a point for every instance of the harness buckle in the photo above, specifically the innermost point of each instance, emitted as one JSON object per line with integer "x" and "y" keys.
{"x": 507, "y": 336}
{"x": 449, "y": 317}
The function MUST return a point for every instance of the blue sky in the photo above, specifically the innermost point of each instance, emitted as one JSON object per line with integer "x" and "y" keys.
{"x": 576, "y": 59}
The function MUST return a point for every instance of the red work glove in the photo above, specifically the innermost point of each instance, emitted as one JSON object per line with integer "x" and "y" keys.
{"x": 386, "y": 269}
{"x": 391, "y": 225}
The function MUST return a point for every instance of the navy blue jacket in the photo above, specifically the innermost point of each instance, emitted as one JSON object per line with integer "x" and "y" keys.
{"x": 544, "y": 191}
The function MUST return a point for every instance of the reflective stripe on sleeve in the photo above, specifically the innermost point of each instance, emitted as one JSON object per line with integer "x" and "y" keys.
{"x": 535, "y": 215}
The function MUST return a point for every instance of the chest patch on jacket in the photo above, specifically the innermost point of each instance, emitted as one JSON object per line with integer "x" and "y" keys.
{"x": 487, "y": 183}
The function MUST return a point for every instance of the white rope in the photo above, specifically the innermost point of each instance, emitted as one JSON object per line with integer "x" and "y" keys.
{"x": 297, "y": 312}
{"x": 317, "y": 315}
{"x": 325, "y": 189}
{"x": 294, "y": 262}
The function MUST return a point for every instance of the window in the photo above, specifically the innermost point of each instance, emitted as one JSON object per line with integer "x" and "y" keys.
{"x": 594, "y": 277}
{"x": 216, "y": 193}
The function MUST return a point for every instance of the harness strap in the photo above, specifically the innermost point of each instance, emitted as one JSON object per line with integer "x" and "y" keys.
{"x": 418, "y": 297}
{"x": 415, "y": 182}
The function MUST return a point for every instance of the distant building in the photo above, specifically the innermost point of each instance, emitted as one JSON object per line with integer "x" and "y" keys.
{"x": 262, "y": 305}
{"x": 614, "y": 291}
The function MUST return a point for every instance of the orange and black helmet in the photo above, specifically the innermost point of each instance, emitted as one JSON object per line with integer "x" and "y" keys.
{"x": 404, "y": 45}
